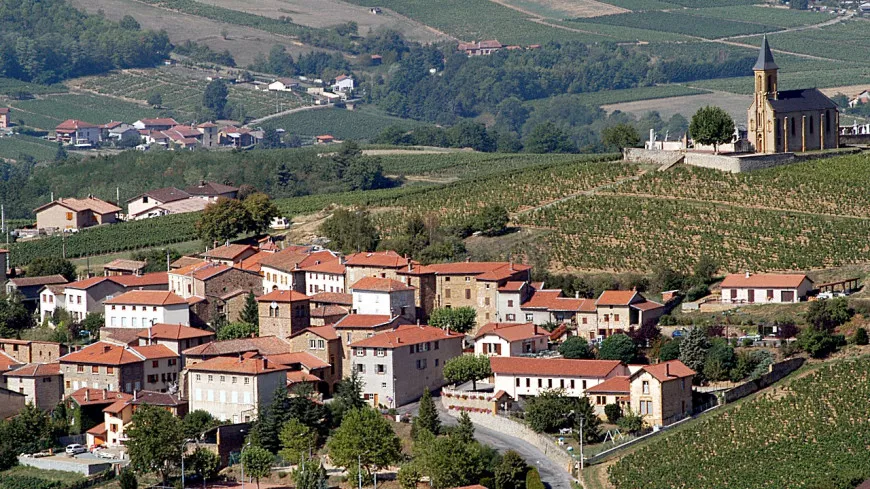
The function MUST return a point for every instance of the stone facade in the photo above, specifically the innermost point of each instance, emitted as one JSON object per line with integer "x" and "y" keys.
{"x": 43, "y": 391}
{"x": 283, "y": 319}
{"x": 126, "y": 378}
{"x": 660, "y": 403}
{"x": 26, "y": 351}
{"x": 325, "y": 349}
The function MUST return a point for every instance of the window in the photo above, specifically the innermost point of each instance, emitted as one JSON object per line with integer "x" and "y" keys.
{"x": 69, "y": 216}
{"x": 155, "y": 363}
{"x": 436, "y": 362}
{"x": 446, "y": 279}
{"x": 211, "y": 378}
{"x": 510, "y": 303}
{"x": 540, "y": 383}
{"x": 528, "y": 382}
{"x": 549, "y": 383}
{"x": 321, "y": 344}
{"x": 360, "y": 368}
{"x": 360, "y": 352}
{"x": 584, "y": 385}
{"x": 447, "y": 293}
{"x": 79, "y": 300}
{"x": 468, "y": 293}
{"x": 606, "y": 318}
{"x": 110, "y": 370}
{"x": 529, "y": 317}
{"x": 95, "y": 369}
{"x": 380, "y": 369}
{"x": 827, "y": 121}
{"x": 518, "y": 381}
{"x": 486, "y": 301}
{"x": 381, "y": 352}
{"x": 792, "y": 127}
{"x": 235, "y": 379}
{"x": 811, "y": 124}
{"x": 223, "y": 378}
{"x": 152, "y": 379}
{"x": 510, "y": 317}
{"x": 600, "y": 400}
{"x": 468, "y": 279}
{"x": 312, "y": 344}
{"x": 436, "y": 345}
{"x": 67, "y": 384}
{"x": 561, "y": 383}
{"x": 616, "y": 317}
{"x": 572, "y": 383}
{"x": 198, "y": 377}
{"x": 383, "y": 385}
{"x": 645, "y": 387}
{"x": 585, "y": 320}
{"x": 247, "y": 381}
{"x": 421, "y": 364}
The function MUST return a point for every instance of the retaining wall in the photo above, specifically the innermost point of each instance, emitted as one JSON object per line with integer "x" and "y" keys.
{"x": 640, "y": 155}
{"x": 776, "y": 373}
{"x": 67, "y": 464}
{"x": 457, "y": 401}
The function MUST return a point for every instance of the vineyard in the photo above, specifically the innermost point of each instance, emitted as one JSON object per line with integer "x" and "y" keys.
{"x": 822, "y": 78}
{"x": 9, "y": 86}
{"x": 47, "y": 113}
{"x": 343, "y": 124}
{"x": 781, "y": 17}
{"x": 811, "y": 434}
{"x": 607, "y": 97}
{"x": 683, "y": 23}
{"x": 462, "y": 164}
{"x": 15, "y": 147}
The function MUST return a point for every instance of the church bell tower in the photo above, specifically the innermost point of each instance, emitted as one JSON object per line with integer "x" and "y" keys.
{"x": 766, "y": 88}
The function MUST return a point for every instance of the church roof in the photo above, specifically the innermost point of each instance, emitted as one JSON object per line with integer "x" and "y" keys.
{"x": 765, "y": 58}
{"x": 803, "y": 99}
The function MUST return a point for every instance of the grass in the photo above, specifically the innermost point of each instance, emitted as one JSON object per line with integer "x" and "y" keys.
{"x": 362, "y": 123}
{"x": 13, "y": 147}
{"x": 67, "y": 479}
{"x": 47, "y": 113}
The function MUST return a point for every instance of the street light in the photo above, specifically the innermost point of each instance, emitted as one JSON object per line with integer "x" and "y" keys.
{"x": 241, "y": 455}
{"x": 183, "y": 446}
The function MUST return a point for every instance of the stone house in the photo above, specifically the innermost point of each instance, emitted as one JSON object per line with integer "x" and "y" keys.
{"x": 510, "y": 339}
{"x": 528, "y": 377}
{"x": 229, "y": 254}
{"x": 119, "y": 414}
{"x": 383, "y": 264}
{"x": 65, "y": 214}
{"x": 356, "y": 327}
{"x": 31, "y": 351}
{"x": 283, "y": 270}
{"x": 41, "y": 384}
{"x": 615, "y": 390}
{"x": 11, "y": 402}
{"x": 324, "y": 272}
{"x": 283, "y": 313}
{"x": 158, "y": 124}
{"x": 765, "y": 288}
{"x": 662, "y": 393}
{"x": 423, "y": 282}
{"x": 176, "y": 337}
{"x": 384, "y": 296}
{"x": 105, "y": 365}
{"x": 214, "y": 289}
{"x": 7, "y": 363}
{"x": 329, "y": 307}
{"x": 323, "y": 343}
{"x": 622, "y": 311}
{"x": 396, "y": 366}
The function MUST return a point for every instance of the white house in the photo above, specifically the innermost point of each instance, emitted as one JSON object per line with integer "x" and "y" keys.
{"x": 51, "y": 297}
{"x": 282, "y": 85}
{"x": 86, "y": 296}
{"x": 510, "y": 339}
{"x": 283, "y": 271}
{"x": 155, "y": 198}
{"x": 343, "y": 83}
{"x": 324, "y": 275}
{"x": 765, "y": 288}
{"x": 528, "y": 377}
{"x": 143, "y": 308}
{"x": 384, "y": 296}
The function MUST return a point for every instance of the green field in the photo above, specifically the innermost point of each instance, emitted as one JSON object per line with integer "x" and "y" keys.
{"x": 9, "y": 86}
{"x": 13, "y": 147}
{"x": 357, "y": 124}
{"x": 46, "y": 113}
{"x": 781, "y": 17}
{"x": 621, "y": 33}
{"x": 683, "y": 23}
{"x": 627, "y": 95}
{"x": 810, "y": 434}
{"x": 463, "y": 165}
{"x": 788, "y": 81}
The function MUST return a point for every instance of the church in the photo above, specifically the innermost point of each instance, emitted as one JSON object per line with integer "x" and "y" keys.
{"x": 789, "y": 120}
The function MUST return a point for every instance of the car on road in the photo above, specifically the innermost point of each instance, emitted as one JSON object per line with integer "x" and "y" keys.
{"x": 75, "y": 449}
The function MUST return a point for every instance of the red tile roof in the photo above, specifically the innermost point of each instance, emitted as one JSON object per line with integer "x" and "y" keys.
{"x": 164, "y": 195}
{"x": 328, "y": 311}
{"x": 125, "y": 265}
{"x": 153, "y": 352}
{"x": 88, "y": 283}
{"x": 286, "y": 260}
{"x": 92, "y": 204}
{"x": 484, "y": 270}
{"x": 298, "y": 376}
{"x": 332, "y": 267}
{"x": 162, "y": 121}
{"x": 764, "y": 280}
{"x": 103, "y": 353}
{"x": 306, "y": 359}
{"x": 542, "y": 299}
{"x": 265, "y": 345}
{"x": 229, "y": 252}
{"x": 618, "y": 298}
{"x": 558, "y": 332}
{"x": 147, "y": 298}
{"x": 246, "y": 364}
{"x": 406, "y": 335}
{"x": 553, "y": 367}
{"x": 326, "y": 332}
{"x": 163, "y": 331}
{"x": 35, "y": 370}
{"x": 376, "y": 284}
{"x": 284, "y": 296}
{"x": 365, "y": 321}
{"x": 512, "y": 331}
{"x": 670, "y": 370}
{"x": 332, "y": 298}
{"x": 378, "y": 259}
{"x": 513, "y": 286}
{"x": 71, "y": 125}
{"x": 43, "y": 280}
{"x": 7, "y": 362}
{"x": 613, "y": 385}
{"x": 211, "y": 189}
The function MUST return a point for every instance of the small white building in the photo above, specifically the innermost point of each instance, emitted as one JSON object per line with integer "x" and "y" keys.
{"x": 510, "y": 339}
{"x": 528, "y": 377}
{"x": 282, "y": 85}
{"x": 143, "y": 308}
{"x": 325, "y": 277}
{"x": 343, "y": 83}
{"x": 765, "y": 288}
{"x": 384, "y": 296}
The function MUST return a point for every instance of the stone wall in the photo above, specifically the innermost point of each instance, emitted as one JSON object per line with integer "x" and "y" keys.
{"x": 776, "y": 373}
{"x": 67, "y": 464}
{"x": 862, "y": 139}
{"x": 640, "y": 155}
{"x": 457, "y": 401}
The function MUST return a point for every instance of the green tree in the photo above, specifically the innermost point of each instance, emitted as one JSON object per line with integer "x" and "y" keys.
{"x": 348, "y": 396}
{"x": 466, "y": 368}
{"x": 237, "y": 330}
{"x": 511, "y": 472}
{"x": 548, "y": 138}
{"x": 720, "y": 360}
{"x": 818, "y": 343}
{"x": 251, "y": 312}
{"x": 670, "y": 350}
{"x": 127, "y": 479}
{"x": 470, "y": 134}
{"x": 51, "y": 265}
{"x": 828, "y": 314}
{"x": 260, "y": 211}
{"x": 427, "y": 416}
{"x": 351, "y": 231}
{"x": 614, "y": 138}
{"x": 799, "y": 4}
{"x": 204, "y": 463}
{"x": 129, "y": 23}
{"x": 630, "y": 422}
{"x": 266, "y": 430}
{"x": 222, "y": 221}
{"x": 348, "y": 152}
{"x": 693, "y": 349}
{"x": 154, "y": 441}
{"x": 613, "y": 412}
{"x": 156, "y": 259}
{"x": 61, "y": 154}
{"x": 364, "y": 437}
{"x": 92, "y": 323}
{"x": 705, "y": 270}
{"x": 576, "y": 347}
{"x": 257, "y": 462}
{"x": 409, "y": 476}
{"x": 585, "y": 414}
{"x": 449, "y": 461}
{"x": 492, "y": 220}
{"x": 155, "y": 99}
{"x": 464, "y": 429}
{"x": 458, "y": 319}
{"x": 197, "y": 422}
{"x": 618, "y": 347}
{"x": 533, "y": 479}
{"x": 860, "y": 337}
{"x": 550, "y": 411}
{"x": 271, "y": 139}
{"x": 297, "y": 441}
{"x": 14, "y": 315}
{"x": 712, "y": 125}
{"x": 310, "y": 474}
{"x": 215, "y": 97}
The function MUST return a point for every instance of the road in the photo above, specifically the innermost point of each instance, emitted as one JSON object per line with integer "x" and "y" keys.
{"x": 285, "y": 112}
{"x": 552, "y": 474}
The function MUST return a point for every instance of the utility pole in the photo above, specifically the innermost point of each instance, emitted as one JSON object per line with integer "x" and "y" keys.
{"x": 359, "y": 469}
{"x": 582, "y": 461}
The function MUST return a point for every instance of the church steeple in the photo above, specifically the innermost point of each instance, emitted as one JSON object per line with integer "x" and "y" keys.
{"x": 765, "y": 58}
{"x": 765, "y": 73}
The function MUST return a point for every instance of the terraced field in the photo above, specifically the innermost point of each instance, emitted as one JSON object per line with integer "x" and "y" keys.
{"x": 46, "y": 113}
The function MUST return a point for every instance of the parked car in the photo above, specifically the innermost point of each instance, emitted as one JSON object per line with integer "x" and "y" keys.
{"x": 105, "y": 454}
{"x": 825, "y": 295}
{"x": 75, "y": 449}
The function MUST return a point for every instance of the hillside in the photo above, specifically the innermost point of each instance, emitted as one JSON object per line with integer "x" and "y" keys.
{"x": 809, "y": 434}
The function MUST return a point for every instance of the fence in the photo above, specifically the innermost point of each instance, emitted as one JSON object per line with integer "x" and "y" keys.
{"x": 474, "y": 402}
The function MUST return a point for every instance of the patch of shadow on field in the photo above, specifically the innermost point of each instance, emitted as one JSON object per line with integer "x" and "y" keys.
{"x": 736, "y": 105}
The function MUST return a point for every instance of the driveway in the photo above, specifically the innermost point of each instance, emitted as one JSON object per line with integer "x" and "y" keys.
{"x": 551, "y": 473}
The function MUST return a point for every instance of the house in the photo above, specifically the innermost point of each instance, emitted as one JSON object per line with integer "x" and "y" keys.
{"x": 396, "y": 366}
{"x": 11, "y": 403}
{"x": 183, "y": 206}
{"x": 550, "y": 306}
{"x": 86, "y": 406}
{"x": 765, "y": 288}
{"x": 7, "y": 363}
{"x": 30, "y": 287}
{"x": 324, "y": 139}
{"x": 4, "y": 118}
{"x": 159, "y": 124}
{"x": 151, "y": 137}
{"x": 356, "y": 327}
{"x": 212, "y": 191}
{"x": 155, "y": 198}
{"x": 214, "y": 289}
{"x": 383, "y": 296}
{"x": 234, "y": 388}
{"x": 383, "y": 264}
{"x": 343, "y": 83}
{"x": 110, "y": 366}
{"x": 176, "y": 337}
{"x": 210, "y": 137}
{"x": 75, "y": 213}
{"x": 324, "y": 272}
{"x": 229, "y": 254}
{"x": 80, "y": 298}
{"x": 119, "y": 131}
{"x": 283, "y": 313}
{"x": 662, "y": 394}
{"x": 119, "y": 414}
{"x": 262, "y": 345}
{"x": 283, "y": 270}
{"x": 480, "y": 48}
{"x": 282, "y": 85}
{"x": 528, "y": 377}
{"x": 239, "y": 137}
{"x": 329, "y": 307}
{"x": 323, "y": 343}
{"x": 860, "y": 99}
{"x": 304, "y": 368}
{"x": 622, "y": 311}
{"x": 78, "y": 133}
{"x": 122, "y": 266}
{"x": 31, "y": 351}
{"x": 184, "y": 136}
{"x": 510, "y": 339}
{"x": 41, "y": 384}
{"x": 143, "y": 308}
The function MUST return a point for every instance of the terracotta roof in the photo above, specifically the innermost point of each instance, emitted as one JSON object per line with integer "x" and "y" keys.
{"x": 406, "y": 335}
{"x": 298, "y": 376}
{"x": 73, "y": 124}
{"x": 147, "y": 298}
{"x": 512, "y": 331}
{"x": 87, "y": 396}
{"x": 379, "y": 259}
{"x": 163, "y": 331}
{"x": 87, "y": 283}
{"x": 553, "y": 367}
{"x": 618, "y": 297}
{"x": 246, "y": 364}
{"x": 252, "y": 263}
{"x": 484, "y": 270}
{"x": 328, "y": 311}
{"x": 98, "y": 430}
{"x": 332, "y": 298}
{"x": 207, "y": 124}
{"x": 165, "y": 195}
{"x": 133, "y": 281}
{"x": 670, "y": 370}
{"x": 512, "y": 286}
{"x": 613, "y": 385}
{"x": 332, "y": 267}
{"x": 185, "y": 131}
{"x": 265, "y": 345}
{"x": 376, "y": 284}
{"x": 283, "y": 296}
{"x": 286, "y": 260}
{"x": 4, "y": 110}
{"x": 13, "y": 341}
{"x": 7, "y": 362}
{"x": 56, "y": 289}
{"x": 160, "y": 121}
{"x": 542, "y": 299}
{"x": 558, "y": 332}
{"x": 103, "y": 353}
{"x": 326, "y": 332}
{"x": 210, "y": 189}
{"x": 126, "y": 265}
{"x": 92, "y": 204}
{"x": 764, "y": 280}
{"x": 647, "y": 305}
{"x": 229, "y": 252}
{"x": 185, "y": 261}
{"x": 42, "y": 280}
{"x": 364, "y": 321}
{"x": 35, "y": 370}
{"x": 306, "y": 359}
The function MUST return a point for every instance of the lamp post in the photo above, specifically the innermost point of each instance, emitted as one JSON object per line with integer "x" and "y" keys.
{"x": 582, "y": 461}
{"x": 183, "y": 446}
{"x": 241, "y": 455}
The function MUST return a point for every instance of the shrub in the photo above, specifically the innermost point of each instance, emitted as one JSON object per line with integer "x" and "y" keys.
{"x": 630, "y": 422}
{"x": 860, "y": 337}
{"x": 697, "y": 292}
{"x": 613, "y": 412}
{"x": 533, "y": 479}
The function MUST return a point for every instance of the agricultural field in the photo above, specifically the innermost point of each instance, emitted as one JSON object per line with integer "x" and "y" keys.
{"x": 607, "y": 97}
{"x": 559, "y": 9}
{"x": 14, "y": 147}
{"x": 10, "y": 86}
{"x": 461, "y": 165}
{"x": 182, "y": 91}
{"x": 735, "y": 105}
{"x": 842, "y": 41}
{"x": 47, "y": 112}
{"x": 362, "y": 123}
{"x": 684, "y": 23}
{"x": 780, "y": 17}
{"x": 790, "y": 80}
{"x": 812, "y": 433}
{"x": 620, "y": 32}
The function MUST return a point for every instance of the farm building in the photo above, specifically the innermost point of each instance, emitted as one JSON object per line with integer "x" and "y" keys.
{"x": 764, "y": 288}
{"x": 76, "y": 213}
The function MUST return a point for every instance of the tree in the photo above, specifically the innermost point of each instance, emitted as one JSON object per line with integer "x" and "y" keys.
{"x": 237, "y": 330}
{"x": 828, "y": 314}
{"x": 127, "y": 479}
{"x": 204, "y": 463}
{"x": 351, "y": 231}
{"x": 576, "y": 347}
{"x": 266, "y": 430}
{"x": 470, "y": 134}
{"x": 492, "y": 220}
{"x": 427, "y": 416}
{"x": 257, "y": 462}
{"x": 720, "y": 360}
{"x": 693, "y": 349}
{"x": 222, "y": 221}
{"x": 271, "y": 139}
{"x": 155, "y": 99}
{"x": 251, "y": 312}
{"x": 670, "y": 350}
{"x": 465, "y": 428}
{"x": 613, "y": 412}
{"x": 51, "y": 265}
{"x": 309, "y": 474}
{"x": 154, "y": 441}
{"x": 260, "y": 212}
{"x": 548, "y": 138}
{"x": 156, "y": 259}
{"x": 409, "y": 476}
{"x": 60, "y": 155}
{"x": 215, "y": 97}
{"x": 14, "y": 315}
{"x": 614, "y": 138}
{"x": 618, "y": 347}
{"x": 364, "y": 437}
{"x": 585, "y": 414}
{"x": 448, "y": 461}
{"x": 348, "y": 396}
{"x": 347, "y": 152}
{"x": 511, "y": 472}
{"x": 630, "y": 422}
{"x": 197, "y": 422}
{"x": 297, "y": 441}
{"x": 466, "y": 368}
{"x": 704, "y": 271}
{"x": 818, "y": 343}
{"x": 458, "y": 319}
{"x": 799, "y": 4}
{"x": 533, "y": 479}
{"x": 128, "y": 23}
{"x": 860, "y": 337}
{"x": 712, "y": 125}
{"x": 365, "y": 173}
{"x": 92, "y": 324}
{"x": 550, "y": 411}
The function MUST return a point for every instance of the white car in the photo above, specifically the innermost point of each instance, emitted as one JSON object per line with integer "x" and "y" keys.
{"x": 75, "y": 449}
{"x": 825, "y": 295}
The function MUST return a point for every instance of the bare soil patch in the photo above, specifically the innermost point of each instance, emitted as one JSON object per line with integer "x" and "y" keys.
{"x": 848, "y": 90}
{"x": 566, "y": 8}
{"x": 735, "y": 105}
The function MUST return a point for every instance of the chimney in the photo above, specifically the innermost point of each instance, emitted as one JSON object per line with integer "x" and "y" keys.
{"x": 576, "y": 294}
{"x": 87, "y": 394}
{"x": 107, "y": 348}
{"x": 135, "y": 395}
{"x": 105, "y": 394}
{"x": 467, "y": 259}
{"x": 265, "y": 363}
{"x": 667, "y": 369}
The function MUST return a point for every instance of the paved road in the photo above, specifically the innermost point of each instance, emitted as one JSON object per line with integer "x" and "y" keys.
{"x": 551, "y": 473}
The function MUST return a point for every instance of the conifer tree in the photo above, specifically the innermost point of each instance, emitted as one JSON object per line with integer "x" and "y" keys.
{"x": 427, "y": 418}
{"x": 250, "y": 313}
